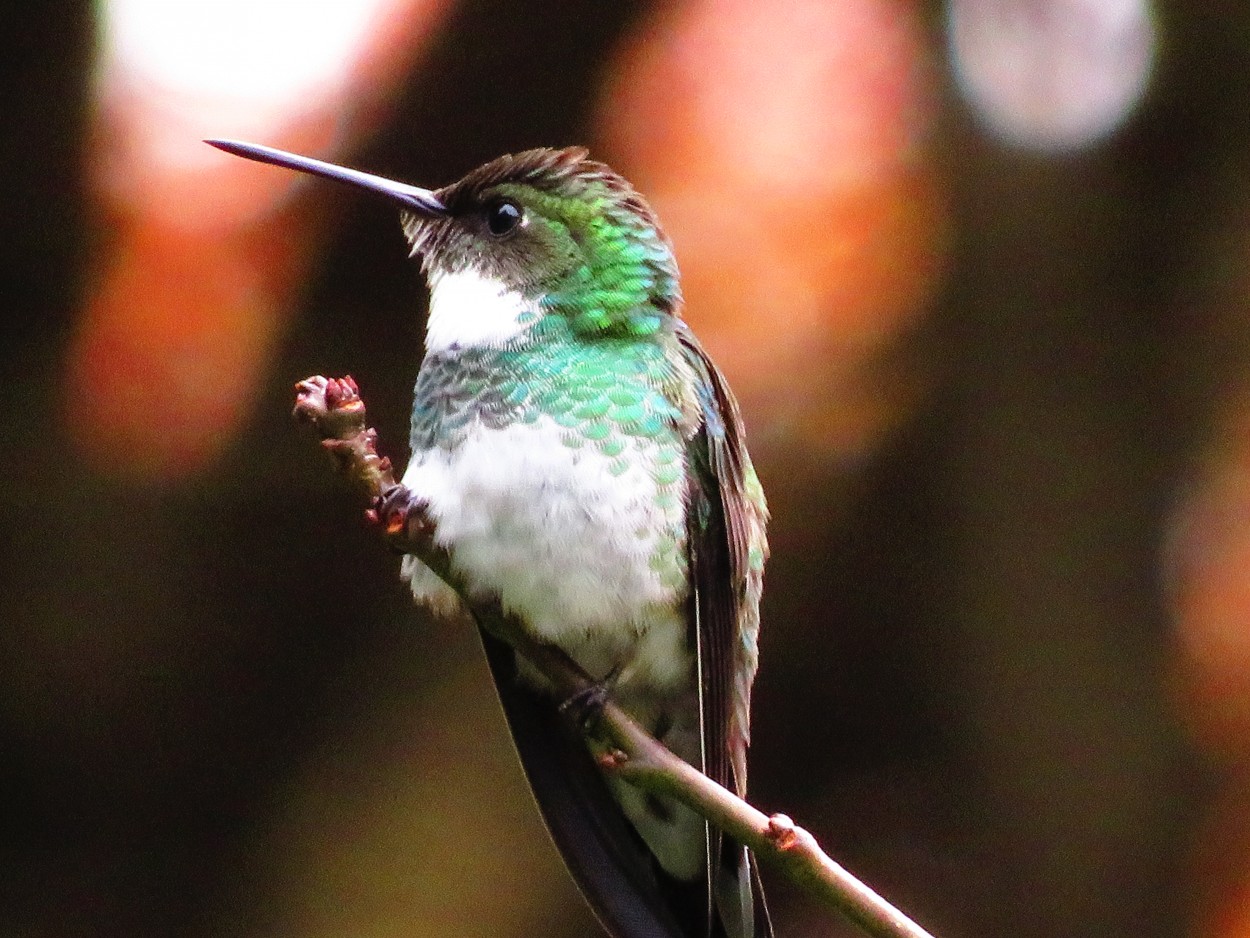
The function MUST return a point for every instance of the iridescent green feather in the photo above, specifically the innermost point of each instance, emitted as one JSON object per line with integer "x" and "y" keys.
{"x": 627, "y": 267}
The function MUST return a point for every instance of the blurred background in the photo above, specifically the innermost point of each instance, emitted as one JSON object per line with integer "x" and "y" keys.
{"x": 978, "y": 272}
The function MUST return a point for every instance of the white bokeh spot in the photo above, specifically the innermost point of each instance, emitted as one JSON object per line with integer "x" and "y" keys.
{"x": 1052, "y": 75}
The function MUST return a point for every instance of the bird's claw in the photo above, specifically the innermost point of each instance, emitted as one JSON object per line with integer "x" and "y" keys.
{"x": 585, "y": 706}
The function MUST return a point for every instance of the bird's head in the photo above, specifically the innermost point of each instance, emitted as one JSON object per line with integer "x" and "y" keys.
{"x": 539, "y": 245}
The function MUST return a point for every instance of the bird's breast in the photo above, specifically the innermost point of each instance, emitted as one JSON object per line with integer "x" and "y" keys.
{"x": 583, "y": 539}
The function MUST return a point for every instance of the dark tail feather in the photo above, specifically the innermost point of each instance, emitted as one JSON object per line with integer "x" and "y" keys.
{"x": 739, "y": 895}
{"x": 605, "y": 855}
{"x": 628, "y": 892}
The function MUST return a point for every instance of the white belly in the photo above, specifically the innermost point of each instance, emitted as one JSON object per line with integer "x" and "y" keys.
{"x": 585, "y": 548}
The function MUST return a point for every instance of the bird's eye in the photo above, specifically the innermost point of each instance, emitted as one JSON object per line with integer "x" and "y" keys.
{"x": 502, "y": 216}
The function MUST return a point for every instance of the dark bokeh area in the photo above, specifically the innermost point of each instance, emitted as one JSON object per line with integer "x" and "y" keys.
{"x": 995, "y": 390}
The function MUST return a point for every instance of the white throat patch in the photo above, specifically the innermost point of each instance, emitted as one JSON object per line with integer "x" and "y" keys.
{"x": 470, "y": 310}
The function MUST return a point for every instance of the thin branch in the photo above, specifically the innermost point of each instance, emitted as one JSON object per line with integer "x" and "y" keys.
{"x": 336, "y": 411}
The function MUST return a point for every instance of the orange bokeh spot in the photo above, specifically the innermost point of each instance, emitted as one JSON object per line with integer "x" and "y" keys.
{"x": 203, "y": 251}
{"x": 783, "y": 146}
{"x": 1212, "y": 597}
{"x": 171, "y": 345}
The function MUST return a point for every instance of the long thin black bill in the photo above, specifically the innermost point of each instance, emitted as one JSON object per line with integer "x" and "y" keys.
{"x": 414, "y": 198}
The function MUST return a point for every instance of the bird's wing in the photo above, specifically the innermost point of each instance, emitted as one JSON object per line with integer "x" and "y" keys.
{"x": 726, "y": 552}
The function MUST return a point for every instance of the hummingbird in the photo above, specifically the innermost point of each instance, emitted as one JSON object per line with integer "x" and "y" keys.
{"x": 585, "y": 464}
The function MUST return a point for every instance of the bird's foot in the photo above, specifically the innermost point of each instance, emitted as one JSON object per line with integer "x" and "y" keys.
{"x": 585, "y": 707}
